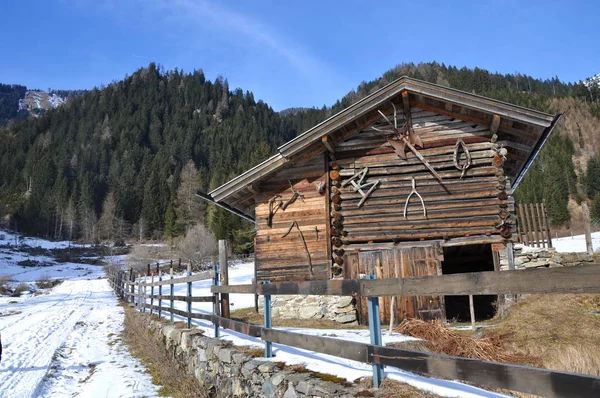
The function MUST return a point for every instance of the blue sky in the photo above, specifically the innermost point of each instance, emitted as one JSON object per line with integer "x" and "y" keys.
{"x": 301, "y": 53}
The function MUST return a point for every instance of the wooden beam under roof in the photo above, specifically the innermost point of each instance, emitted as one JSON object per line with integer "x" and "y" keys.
{"x": 495, "y": 124}
{"x": 327, "y": 143}
{"x": 469, "y": 118}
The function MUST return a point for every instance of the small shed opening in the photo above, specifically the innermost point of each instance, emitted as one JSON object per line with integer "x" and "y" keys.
{"x": 471, "y": 258}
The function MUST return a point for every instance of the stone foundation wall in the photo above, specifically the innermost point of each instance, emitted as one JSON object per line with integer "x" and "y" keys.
{"x": 339, "y": 309}
{"x": 226, "y": 371}
{"x": 531, "y": 257}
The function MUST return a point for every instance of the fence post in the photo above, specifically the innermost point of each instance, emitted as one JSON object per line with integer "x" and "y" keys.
{"x": 139, "y": 291}
{"x": 216, "y": 306}
{"x": 224, "y": 277}
{"x": 268, "y": 322}
{"x": 171, "y": 306}
{"x": 375, "y": 333}
{"x": 159, "y": 294}
{"x": 189, "y": 295}
{"x": 152, "y": 296}
{"x": 587, "y": 228}
{"x": 132, "y": 285}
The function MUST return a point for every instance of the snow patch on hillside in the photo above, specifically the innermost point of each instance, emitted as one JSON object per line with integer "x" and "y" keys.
{"x": 36, "y": 101}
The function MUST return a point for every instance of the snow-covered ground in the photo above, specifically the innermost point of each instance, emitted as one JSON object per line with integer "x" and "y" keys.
{"x": 576, "y": 243}
{"x": 351, "y": 370}
{"x": 64, "y": 342}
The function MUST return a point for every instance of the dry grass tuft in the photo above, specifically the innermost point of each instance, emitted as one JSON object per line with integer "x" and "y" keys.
{"x": 390, "y": 389}
{"x": 4, "y": 284}
{"x": 20, "y": 289}
{"x": 151, "y": 351}
{"x": 438, "y": 338}
{"x": 563, "y": 330}
{"x": 45, "y": 282}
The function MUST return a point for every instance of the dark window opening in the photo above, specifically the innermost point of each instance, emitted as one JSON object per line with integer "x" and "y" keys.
{"x": 473, "y": 258}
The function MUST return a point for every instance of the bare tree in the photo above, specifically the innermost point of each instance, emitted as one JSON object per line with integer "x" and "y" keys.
{"x": 108, "y": 221}
{"x": 197, "y": 244}
{"x": 189, "y": 208}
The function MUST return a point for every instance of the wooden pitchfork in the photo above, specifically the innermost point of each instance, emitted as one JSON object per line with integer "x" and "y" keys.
{"x": 408, "y": 138}
{"x": 414, "y": 192}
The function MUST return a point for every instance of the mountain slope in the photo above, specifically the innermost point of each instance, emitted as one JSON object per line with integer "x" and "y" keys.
{"x": 109, "y": 163}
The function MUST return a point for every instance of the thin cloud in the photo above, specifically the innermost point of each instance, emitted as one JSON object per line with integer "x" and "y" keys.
{"x": 245, "y": 28}
{"x": 140, "y": 56}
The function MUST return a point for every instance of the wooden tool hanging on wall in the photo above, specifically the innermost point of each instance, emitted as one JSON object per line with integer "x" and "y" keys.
{"x": 295, "y": 224}
{"x": 295, "y": 195}
{"x": 463, "y": 168}
{"x": 361, "y": 184}
{"x": 403, "y": 137}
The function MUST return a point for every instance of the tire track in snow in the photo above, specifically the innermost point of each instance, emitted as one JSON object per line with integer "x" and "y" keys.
{"x": 29, "y": 354}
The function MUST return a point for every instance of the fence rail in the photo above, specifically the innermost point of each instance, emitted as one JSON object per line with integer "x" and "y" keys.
{"x": 580, "y": 279}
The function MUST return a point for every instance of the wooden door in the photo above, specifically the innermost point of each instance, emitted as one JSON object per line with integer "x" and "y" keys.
{"x": 399, "y": 263}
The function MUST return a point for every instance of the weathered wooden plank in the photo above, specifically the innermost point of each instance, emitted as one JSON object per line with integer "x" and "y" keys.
{"x": 543, "y": 382}
{"x": 201, "y": 276}
{"x": 526, "y": 379}
{"x": 523, "y": 225}
{"x": 580, "y": 279}
{"x": 533, "y": 224}
{"x": 339, "y": 348}
{"x": 234, "y": 289}
{"x": 196, "y": 299}
{"x": 240, "y": 327}
{"x": 185, "y": 314}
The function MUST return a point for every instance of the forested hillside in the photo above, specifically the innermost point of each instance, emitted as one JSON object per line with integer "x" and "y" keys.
{"x": 125, "y": 161}
{"x": 10, "y": 94}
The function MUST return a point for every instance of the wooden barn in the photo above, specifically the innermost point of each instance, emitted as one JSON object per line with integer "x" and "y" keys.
{"x": 415, "y": 179}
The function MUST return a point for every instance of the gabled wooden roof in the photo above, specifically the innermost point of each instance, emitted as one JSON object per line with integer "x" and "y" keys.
{"x": 523, "y": 131}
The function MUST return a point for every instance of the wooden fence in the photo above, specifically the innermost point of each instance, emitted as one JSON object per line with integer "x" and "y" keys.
{"x": 544, "y": 382}
{"x": 534, "y": 226}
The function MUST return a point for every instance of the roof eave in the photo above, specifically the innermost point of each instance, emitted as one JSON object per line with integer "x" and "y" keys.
{"x": 366, "y": 105}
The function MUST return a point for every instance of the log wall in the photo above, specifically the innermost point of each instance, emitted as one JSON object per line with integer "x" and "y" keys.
{"x": 285, "y": 258}
{"x": 477, "y": 206}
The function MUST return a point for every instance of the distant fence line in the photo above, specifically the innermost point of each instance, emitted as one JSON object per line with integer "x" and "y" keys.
{"x": 545, "y": 382}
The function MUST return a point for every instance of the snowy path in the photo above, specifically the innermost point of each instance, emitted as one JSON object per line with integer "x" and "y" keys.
{"x": 66, "y": 343}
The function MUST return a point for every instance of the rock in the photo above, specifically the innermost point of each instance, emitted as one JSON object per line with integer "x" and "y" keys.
{"x": 519, "y": 261}
{"x": 249, "y": 367}
{"x": 167, "y": 329}
{"x": 295, "y": 378}
{"x": 278, "y": 378}
{"x": 225, "y": 355}
{"x": 311, "y": 300}
{"x": 346, "y": 318}
{"x": 267, "y": 367}
{"x": 307, "y": 312}
{"x": 268, "y": 389}
{"x": 327, "y": 388}
{"x": 188, "y": 336}
{"x": 304, "y": 387}
{"x": 240, "y": 358}
{"x": 344, "y": 301}
{"x": 238, "y": 391}
{"x": 290, "y": 392}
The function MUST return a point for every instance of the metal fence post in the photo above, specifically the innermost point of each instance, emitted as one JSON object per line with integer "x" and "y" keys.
{"x": 152, "y": 295}
{"x": 268, "y": 322}
{"x": 375, "y": 333}
{"x": 159, "y": 294}
{"x": 171, "y": 306}
{"x": 189, "y": 295}
{"x": 216, "y": 306}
